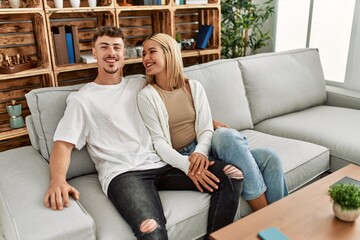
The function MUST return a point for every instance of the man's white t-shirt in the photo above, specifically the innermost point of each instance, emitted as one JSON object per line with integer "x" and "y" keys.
{"x": 106, "y": 119}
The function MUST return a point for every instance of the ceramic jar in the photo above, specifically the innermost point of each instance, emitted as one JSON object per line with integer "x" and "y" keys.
{"x": 75, "y": 3}
{"x": 59, "y": 3}
{"x": 92, "y": 3}
{"x": 15, "y": 3}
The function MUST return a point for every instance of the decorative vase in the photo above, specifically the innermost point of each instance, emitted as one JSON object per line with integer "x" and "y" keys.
{"x": 14, "y": 110}
{"x": 75, "y": 3}
{"x": 59, "y": 3}
{"x": 345, "y": 215}
{"x": 15, "y": 3}
{"x": 92, "y": 3}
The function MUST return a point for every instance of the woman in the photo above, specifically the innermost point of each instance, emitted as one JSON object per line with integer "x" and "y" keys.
{"x": 177, "y": 114}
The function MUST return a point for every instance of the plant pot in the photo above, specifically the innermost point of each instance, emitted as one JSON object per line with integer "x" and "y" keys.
{"x": 345, "y": 215}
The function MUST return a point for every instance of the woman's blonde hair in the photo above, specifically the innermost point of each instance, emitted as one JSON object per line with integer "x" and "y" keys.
{"x": 174, "y": 62}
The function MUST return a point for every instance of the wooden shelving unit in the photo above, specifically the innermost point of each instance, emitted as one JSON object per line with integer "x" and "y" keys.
{"x": 27, "y": 30}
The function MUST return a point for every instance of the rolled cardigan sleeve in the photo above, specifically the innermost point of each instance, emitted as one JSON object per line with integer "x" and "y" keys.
{"x": 152, "y": 109}
{"x": 203, "y": 124}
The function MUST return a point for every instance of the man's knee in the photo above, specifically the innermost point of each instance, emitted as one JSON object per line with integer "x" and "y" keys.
{"x": 233, "y": 172}
{"x": 148, "y": 226}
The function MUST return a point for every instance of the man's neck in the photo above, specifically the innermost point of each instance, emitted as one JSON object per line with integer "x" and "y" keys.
{"x": 108, "y": 79}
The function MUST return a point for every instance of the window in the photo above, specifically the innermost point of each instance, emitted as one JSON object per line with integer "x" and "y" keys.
{"x": 323, "y": 24}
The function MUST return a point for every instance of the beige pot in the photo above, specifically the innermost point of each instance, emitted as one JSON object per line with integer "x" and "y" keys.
{"x": 345, "y": 215}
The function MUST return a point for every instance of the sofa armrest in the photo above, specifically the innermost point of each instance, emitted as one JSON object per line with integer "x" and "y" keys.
{"x": 342, "y": 97}
{"x": 24, "y": 179}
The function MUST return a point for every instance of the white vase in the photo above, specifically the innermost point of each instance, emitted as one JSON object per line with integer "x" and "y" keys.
{"x": 75, "y": 3}
{"x": 59, "y": 3}
{"x": 92, "y": 3}
{"x": 15, "y": 3}
{"x": 345, "y": 215}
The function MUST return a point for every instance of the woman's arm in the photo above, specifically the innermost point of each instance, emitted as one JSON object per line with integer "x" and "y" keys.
{"x": 152, "y": 111}
{"x": 203, "y": 123}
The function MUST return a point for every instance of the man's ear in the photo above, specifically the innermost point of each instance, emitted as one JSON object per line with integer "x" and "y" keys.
{"x": 94, "y": 53}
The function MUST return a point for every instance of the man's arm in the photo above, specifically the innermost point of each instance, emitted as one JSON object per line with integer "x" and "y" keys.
{"x": 57, "y": 196}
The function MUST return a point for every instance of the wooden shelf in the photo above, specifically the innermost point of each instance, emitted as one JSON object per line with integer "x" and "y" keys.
{"x": 6, "y": 134}
{"x": 27, "y": 30}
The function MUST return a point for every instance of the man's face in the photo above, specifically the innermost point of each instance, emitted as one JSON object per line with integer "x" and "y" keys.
{"x": 109, "y": 53}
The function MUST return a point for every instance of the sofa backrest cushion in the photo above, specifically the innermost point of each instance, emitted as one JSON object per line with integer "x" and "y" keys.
{"x": 283, "y": 82}
{"x": 47, "y": 106}
{"x": 225, "y": 91}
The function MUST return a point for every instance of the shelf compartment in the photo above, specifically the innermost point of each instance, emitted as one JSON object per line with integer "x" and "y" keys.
{"x": 15, "y": 89}
{"x": 129, "y": 4}
{"x": 50, "y": 5}
{"x": 11, "y": 142}
{"x": 190, "y": 60}
{"x": 188, "y": 21}
{"x": 138, "y": 25}
{"x": 24, "y": 5}
{"x": 73, "y": 77}
{"x": 86, "y": 22}
{"x": 25, "y": 34}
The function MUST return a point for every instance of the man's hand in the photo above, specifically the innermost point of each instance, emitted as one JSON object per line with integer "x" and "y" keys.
{"x": 198, "y": 163}
{"x": 205, "y": 180}
{"x": 217, "y": 124}
{"x": 57, "y": 195}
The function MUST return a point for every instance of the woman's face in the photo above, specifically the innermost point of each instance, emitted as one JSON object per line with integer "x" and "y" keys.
{"x": 153, "y": 58}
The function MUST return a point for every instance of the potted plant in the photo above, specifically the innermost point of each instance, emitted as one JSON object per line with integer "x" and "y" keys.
{"x": 242, "y": 26}
{"x": 346, "y": 201}
{"x": 178, "y": 39}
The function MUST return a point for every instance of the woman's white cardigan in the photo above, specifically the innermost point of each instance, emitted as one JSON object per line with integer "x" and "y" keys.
{"x": 156, "y": 118}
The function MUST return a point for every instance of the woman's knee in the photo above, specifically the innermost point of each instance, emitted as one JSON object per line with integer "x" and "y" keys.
{"x": 225, "y": 136}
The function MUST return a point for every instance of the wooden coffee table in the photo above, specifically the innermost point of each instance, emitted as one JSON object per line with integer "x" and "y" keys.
{"x": 304, "y": 214}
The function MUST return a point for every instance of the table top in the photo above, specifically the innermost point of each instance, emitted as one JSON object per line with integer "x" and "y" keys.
{"x": 304, "y": 214}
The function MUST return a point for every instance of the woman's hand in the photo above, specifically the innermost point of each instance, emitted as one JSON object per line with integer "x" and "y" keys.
{"x": 205, "y": 180}
{"x": 198, "y": 163}
{"x": 217, "y": 124}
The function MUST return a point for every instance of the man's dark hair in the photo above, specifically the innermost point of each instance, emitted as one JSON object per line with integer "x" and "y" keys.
{"x": 110, "y": 31}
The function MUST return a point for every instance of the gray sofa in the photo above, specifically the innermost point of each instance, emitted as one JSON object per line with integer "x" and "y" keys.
{"x": 277, "y": 100}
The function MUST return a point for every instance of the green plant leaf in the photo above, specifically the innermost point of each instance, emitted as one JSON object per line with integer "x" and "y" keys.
{"x": 240, "y": 17}
{"x": 346, "y": 195}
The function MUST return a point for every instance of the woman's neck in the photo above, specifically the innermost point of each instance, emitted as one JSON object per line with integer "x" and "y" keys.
{"x": 163, "y": 82}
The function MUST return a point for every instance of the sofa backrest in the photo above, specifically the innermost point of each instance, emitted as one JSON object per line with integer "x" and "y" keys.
{"x": 283, "y": 82}
{"x": 47, "y": 106}
{"x": 225, "y": 90}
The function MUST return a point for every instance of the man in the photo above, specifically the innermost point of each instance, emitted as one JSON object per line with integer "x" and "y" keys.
{"x": 103, "y": 115}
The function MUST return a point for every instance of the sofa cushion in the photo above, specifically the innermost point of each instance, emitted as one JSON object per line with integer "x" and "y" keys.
{"x": 47, "y": 106}
{"x": 281, "y": 83}
{"x": 333, "y": 127}
{"x": 225, "y": 91}
{"x": 302, "y": 161}
{"x": 183, "y": 219}
{"x": 24, "y": 179}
